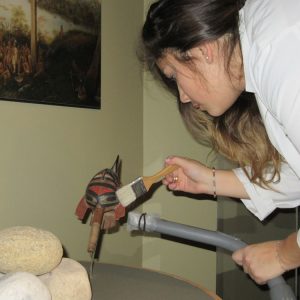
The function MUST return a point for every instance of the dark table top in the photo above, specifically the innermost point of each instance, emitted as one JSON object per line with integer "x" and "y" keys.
{"x": 127, "y": 283}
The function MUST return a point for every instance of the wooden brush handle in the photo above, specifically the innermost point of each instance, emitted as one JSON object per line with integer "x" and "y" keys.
{"x": 149, "y": 180}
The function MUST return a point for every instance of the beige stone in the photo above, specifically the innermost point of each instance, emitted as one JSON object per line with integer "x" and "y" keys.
{"x": 28, "y": 249}
{"x": 68, "y": 281}
{"x": 22, "y": 285}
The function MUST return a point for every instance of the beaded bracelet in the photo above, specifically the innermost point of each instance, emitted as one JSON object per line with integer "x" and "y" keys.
{"x": 214, "y": 183}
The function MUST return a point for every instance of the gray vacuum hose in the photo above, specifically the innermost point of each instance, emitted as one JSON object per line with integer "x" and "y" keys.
{"x": 279, "y": 289}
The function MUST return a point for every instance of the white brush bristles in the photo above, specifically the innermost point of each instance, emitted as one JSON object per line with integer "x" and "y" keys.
{"x": 126, "y": 195}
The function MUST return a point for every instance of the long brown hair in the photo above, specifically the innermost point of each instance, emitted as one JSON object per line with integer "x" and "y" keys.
{"x": 239, "y": 134}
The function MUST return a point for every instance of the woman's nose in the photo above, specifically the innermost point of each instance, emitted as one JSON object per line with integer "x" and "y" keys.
{"x": 183, "y": 96}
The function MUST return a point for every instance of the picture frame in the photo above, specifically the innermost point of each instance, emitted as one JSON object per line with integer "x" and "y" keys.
{"x": 50, "y": 52}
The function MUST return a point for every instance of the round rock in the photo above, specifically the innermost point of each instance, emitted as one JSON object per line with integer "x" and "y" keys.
{"x": 22, "y": 285}
{"x": 28, "y": 249}
{"x": 68, "y": 281}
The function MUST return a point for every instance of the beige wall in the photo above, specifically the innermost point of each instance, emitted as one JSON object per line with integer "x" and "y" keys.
{"x": 49, "y": 153}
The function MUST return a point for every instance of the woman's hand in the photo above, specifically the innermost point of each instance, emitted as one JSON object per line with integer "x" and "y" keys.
{"x": 260, "y": 261}
{"x": 194, "y": 177}
{"x": 191, "y": 176}
{"x": 270, "y": 259}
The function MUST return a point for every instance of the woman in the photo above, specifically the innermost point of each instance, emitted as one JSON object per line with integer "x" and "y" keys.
{"x": 234, "y": 67}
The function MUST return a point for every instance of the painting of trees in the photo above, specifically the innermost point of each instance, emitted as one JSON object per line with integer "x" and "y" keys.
{"x": 50, "y": 52}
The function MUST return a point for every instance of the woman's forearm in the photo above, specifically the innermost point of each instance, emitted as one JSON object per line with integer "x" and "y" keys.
{"x": 228, "y": 184}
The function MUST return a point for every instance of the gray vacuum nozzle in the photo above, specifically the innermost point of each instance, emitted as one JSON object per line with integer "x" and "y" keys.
{"x": 279, "y": 290}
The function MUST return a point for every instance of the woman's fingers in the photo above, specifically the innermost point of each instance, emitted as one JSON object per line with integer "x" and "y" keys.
{"x": 237, "y": 257}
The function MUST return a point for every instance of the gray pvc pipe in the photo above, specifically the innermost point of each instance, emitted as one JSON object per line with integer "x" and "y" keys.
{"x": 279, "y": 289}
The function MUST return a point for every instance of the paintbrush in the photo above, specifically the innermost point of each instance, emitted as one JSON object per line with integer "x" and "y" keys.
{"x": 130, "y": 192}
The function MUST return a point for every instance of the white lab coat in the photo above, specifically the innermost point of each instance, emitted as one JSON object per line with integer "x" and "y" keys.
{"x": 270, "y": 39}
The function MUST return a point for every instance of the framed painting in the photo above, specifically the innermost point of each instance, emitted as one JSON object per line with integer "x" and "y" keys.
{"x": 50, "y": 52}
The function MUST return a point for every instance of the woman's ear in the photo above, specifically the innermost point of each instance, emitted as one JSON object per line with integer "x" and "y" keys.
{"x": 207, "y": 50}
